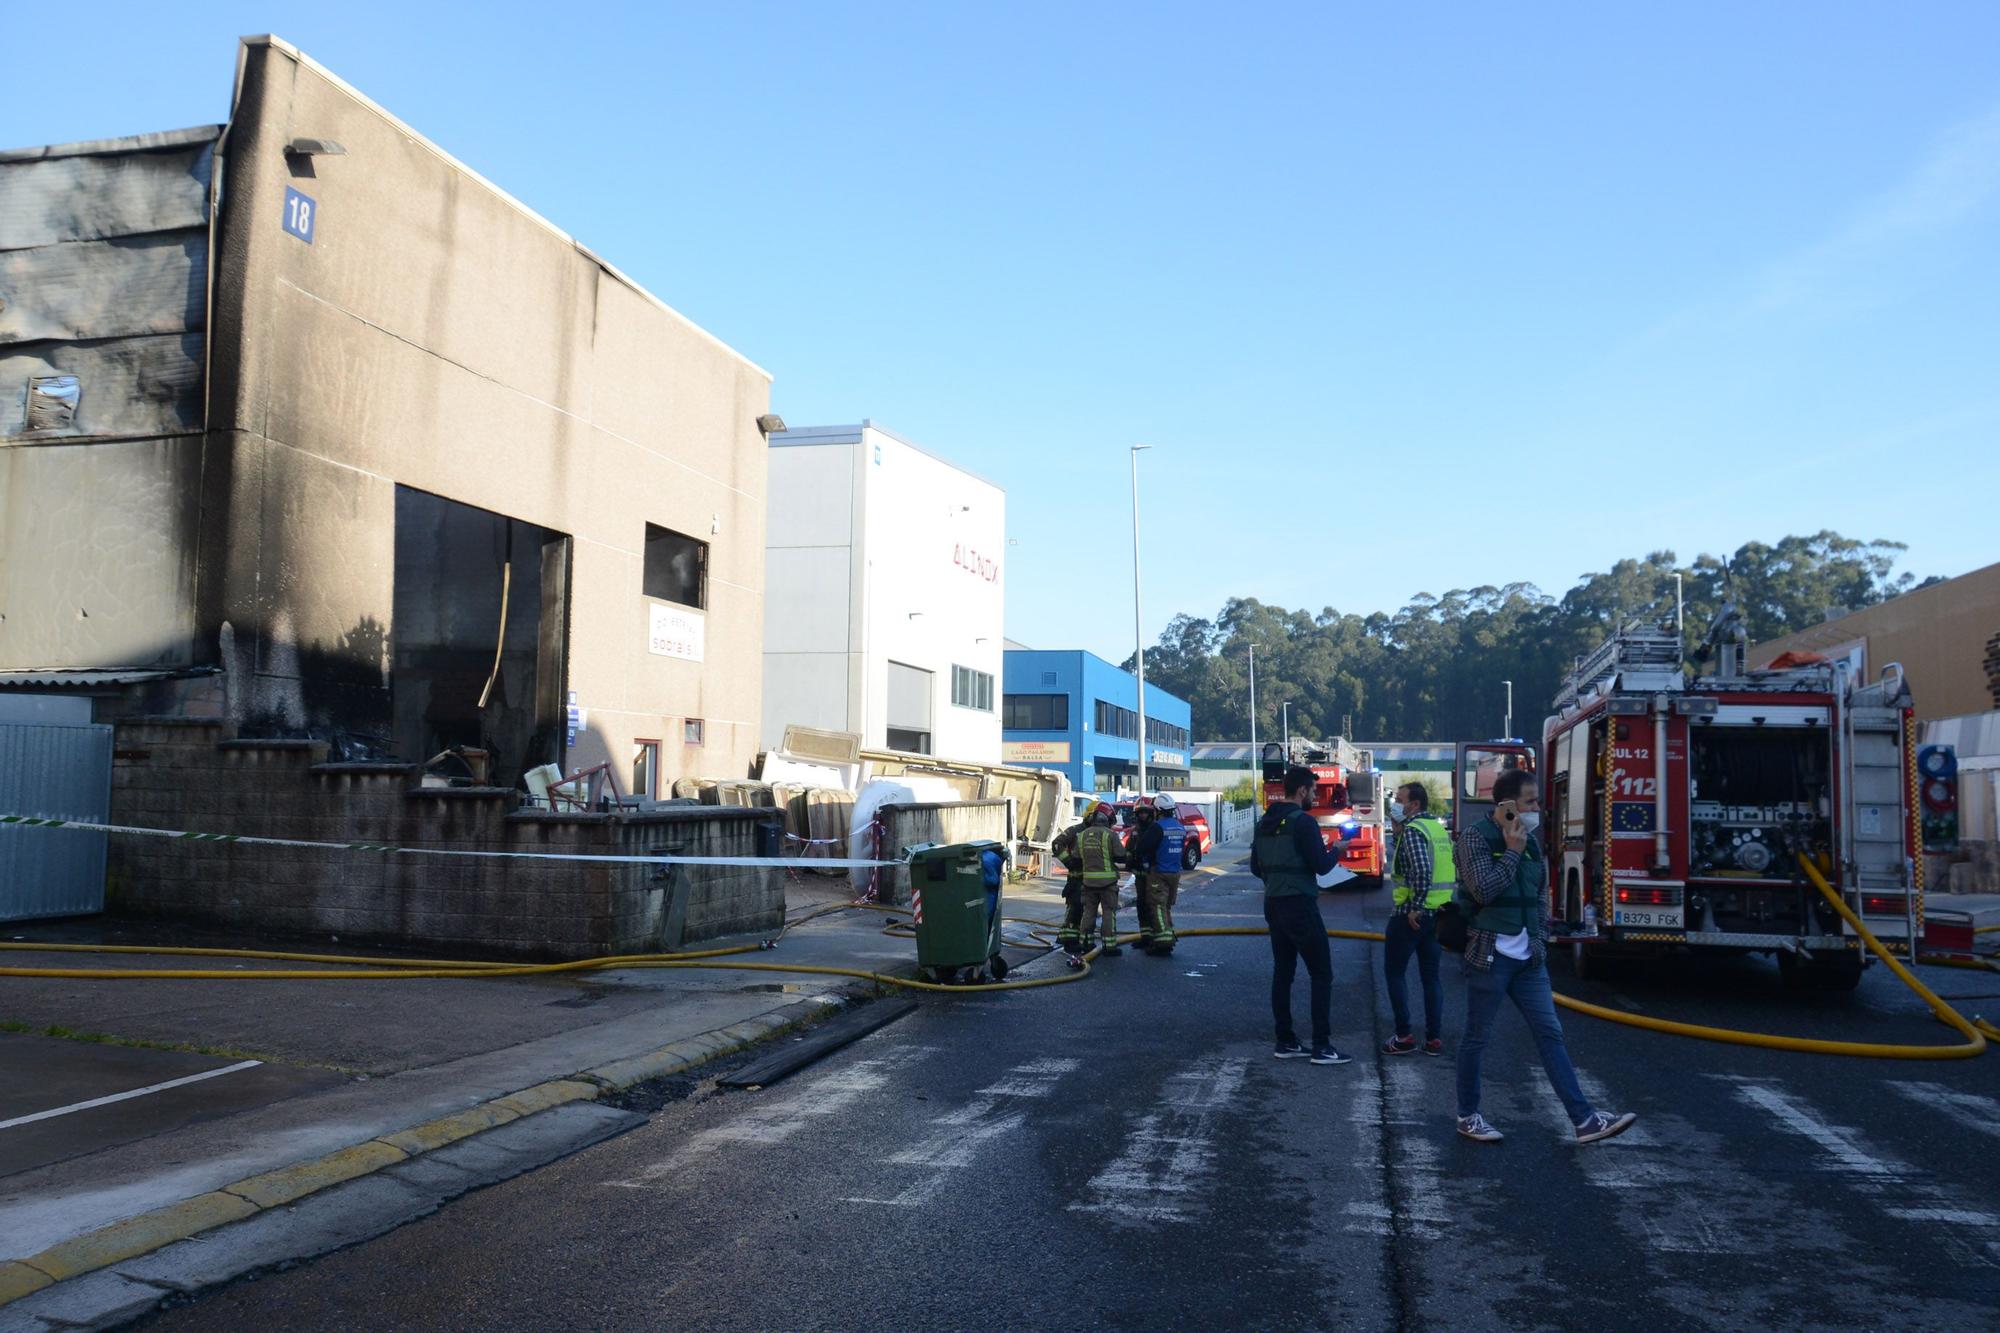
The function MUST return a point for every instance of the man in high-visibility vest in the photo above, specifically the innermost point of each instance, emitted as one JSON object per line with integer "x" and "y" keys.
{"x": 1097, "y": 847}
{"x": 1426, "y": 877}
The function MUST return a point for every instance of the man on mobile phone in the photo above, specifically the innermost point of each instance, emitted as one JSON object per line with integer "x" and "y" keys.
{"x": 1503, "y": 873}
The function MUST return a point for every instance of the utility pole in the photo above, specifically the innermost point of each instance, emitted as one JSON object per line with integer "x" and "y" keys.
{"x": 1285, "y": 711}
{"x": 1507, "y": 730}
{"x": 1138, "y": 619}
{"x": 1256, "y": 760}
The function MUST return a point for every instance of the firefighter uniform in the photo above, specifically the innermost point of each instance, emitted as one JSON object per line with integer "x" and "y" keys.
{"x": 1097, "y": 847}
{"x": 1159, "y": 853}
{"x": 1064, "y": 848}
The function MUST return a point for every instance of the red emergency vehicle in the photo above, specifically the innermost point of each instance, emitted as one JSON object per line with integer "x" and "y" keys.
{"x": 1678, "y": 807}
{"x": 1350, "y": 814}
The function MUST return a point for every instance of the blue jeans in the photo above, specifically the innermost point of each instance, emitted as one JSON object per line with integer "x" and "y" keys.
{"x": 1399, "y": 942}
{"x": 1527, "y": 984}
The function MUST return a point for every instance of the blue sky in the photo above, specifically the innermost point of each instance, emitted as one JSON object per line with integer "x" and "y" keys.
{"x": 1383, "y": 288}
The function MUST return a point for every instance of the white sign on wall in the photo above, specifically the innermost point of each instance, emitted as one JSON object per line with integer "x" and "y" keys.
{"x": 676, "y": 631}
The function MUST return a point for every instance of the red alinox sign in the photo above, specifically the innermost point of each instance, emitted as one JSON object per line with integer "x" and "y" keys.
{"x": 972, "y": 562}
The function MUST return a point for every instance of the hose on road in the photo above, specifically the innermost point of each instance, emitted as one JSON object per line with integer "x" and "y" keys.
{"x": 1976, "y": 1031}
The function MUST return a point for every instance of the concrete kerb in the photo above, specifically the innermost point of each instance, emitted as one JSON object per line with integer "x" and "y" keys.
{"x": 132, "y": 1237}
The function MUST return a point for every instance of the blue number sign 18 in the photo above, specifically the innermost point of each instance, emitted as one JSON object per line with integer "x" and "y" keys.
{"x": 299, "y": 211}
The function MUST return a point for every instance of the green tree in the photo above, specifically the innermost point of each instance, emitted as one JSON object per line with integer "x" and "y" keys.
{"x": 1432, "y": 670}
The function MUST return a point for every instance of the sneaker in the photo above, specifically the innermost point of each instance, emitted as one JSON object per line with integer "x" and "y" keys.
{"x": 1474, "y": 1127}
{"x": 1326, "y": 1055}
{"x": 1400, "y": 1046}
{"x": 1602, "y": 1125}
{"x": 1434, "y": 1046}
{"x": 1289, "y": 1050}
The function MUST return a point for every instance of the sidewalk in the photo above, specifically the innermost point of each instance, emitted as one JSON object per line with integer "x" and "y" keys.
{"x": 144, "y": 1112}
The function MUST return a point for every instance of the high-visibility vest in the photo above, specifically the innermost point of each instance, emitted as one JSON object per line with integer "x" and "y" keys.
{"x": 1098, "y": 847}
{"x": 1444, "y": 865}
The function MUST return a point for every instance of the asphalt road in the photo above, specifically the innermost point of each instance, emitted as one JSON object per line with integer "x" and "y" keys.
{"x": 1126, "y": 1152}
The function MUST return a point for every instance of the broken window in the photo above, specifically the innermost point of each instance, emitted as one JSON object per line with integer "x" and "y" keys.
{"x": 676, "y": 567}
{"x": 646, "y": 769}
{"x": 52, "y": 401}
{"x": 478, "y": 634}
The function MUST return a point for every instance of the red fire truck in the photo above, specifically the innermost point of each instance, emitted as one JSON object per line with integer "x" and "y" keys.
{"x": 1350, "y": 813}
{"x": 1678, "y": 807}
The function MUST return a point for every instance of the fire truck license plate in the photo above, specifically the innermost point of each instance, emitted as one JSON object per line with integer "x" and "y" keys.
{"x": 1659, "y": 918}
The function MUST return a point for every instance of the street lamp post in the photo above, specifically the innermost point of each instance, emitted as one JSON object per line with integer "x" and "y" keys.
{"x": 1507, "y": 731}
{"x": 1285, "y": 711}
{"x": 1138, "y": 619}
{"x": 1256, "y": 760}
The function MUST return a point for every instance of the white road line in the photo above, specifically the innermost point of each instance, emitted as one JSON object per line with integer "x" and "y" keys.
{"x": 1169, "y": 1153}
{"x": 1900, "y": 1190}
{"x": 1967, "y": 1108}
{"x": 1667, "y": 1190}
{"x": 766, "y": 1124}
{"x": 965, "y": 1132}
{"x": 128, "y": 1096}
{"x": 1418, "y": 1166}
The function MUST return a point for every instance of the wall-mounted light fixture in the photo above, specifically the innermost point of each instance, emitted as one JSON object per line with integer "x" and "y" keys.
{"x": 770, "y": 423}
{"x": 314, "y": 148}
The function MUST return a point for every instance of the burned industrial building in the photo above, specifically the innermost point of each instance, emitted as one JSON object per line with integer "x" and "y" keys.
{"x": 307, "y": 428}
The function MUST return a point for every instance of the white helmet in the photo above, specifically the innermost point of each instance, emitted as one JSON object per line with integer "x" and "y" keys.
{"x": 1164, "y": 804}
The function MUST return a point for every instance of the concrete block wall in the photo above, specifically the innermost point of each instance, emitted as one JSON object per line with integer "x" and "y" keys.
{"x": 905, "y": 826}
{"x": 195, "y": 775}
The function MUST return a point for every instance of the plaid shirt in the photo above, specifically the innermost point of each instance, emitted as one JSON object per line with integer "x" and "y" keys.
{"x": 1412, "y": 858}
{"x": 1484, "y": 876}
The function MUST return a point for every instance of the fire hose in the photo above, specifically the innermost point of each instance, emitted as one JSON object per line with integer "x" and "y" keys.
{"x": 341, "y": 967}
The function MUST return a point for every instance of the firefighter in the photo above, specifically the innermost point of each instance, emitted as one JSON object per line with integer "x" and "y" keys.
{"x": 1097, "y": 847}
{"x": 1159, "y": 851}
{"x": 1064, "y": 848}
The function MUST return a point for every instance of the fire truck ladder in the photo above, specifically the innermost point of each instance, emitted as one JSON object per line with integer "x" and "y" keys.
{"x": 1637, "y": 647}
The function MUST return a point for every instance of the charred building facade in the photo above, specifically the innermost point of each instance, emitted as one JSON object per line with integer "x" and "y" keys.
{"x": 306, "y": 427}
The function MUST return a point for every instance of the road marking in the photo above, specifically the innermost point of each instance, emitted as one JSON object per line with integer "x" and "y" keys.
{"x": 1418, "y": 1166}
{"x": 769, "y": 1123}
{"x": 965, "y": 1132}
{"x": 1899, "y": 1189}
{"x": 128, "y": 1096}
{"x": 1967, "y": 1108}
{"x": 1169, "y": 1153}
{"x": 1667, "y": 1184}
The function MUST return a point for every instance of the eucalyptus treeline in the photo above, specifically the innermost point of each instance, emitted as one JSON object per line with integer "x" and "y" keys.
{"x": 1433, "y": 670}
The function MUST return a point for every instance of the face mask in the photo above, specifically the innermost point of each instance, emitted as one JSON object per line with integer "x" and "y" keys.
{"x": 1531, "y": 821}
{"x": 1398, "y": 811}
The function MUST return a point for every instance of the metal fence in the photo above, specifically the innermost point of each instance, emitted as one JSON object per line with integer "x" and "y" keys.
{"x": 55, "y": 772}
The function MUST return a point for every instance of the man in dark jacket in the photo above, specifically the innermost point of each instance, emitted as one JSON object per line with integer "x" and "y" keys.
{"x": 1504, "y": 875}
{"x": 1289, "y": 855}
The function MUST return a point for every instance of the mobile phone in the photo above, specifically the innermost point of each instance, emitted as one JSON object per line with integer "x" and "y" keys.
{"x": 1505, "y": 810}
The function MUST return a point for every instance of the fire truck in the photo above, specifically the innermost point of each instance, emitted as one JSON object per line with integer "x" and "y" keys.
{"x": 1351, "y": 813}
{"x": 1678, "y": 807}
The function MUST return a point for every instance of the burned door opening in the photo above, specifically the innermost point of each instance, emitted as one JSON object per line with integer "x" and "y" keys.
{"x": 481, "y": 617}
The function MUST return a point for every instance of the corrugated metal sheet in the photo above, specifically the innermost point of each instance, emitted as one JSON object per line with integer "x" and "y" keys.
{"x": 57, "y": 773}
{"x": 47, "y": 201}
{"x": 103, "y": 277}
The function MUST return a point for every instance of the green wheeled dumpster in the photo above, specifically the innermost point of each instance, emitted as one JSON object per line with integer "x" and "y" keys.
{"x": 957, "y": 923}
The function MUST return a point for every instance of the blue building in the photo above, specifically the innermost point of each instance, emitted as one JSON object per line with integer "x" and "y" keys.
{"x": 1077, "y": 713}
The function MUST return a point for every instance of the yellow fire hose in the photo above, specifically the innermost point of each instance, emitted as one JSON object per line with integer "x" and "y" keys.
{"x": 1976, "y": 1030}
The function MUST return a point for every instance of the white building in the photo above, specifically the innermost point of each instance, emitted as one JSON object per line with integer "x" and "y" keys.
{"x": 885, "y": 585}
